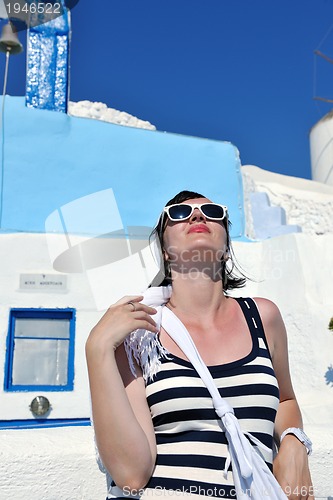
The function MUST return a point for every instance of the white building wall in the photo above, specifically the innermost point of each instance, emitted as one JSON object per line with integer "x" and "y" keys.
{"x": 49, "y": 464}
{"x": 307, "y": 204}
{"x": 28, "y": 253}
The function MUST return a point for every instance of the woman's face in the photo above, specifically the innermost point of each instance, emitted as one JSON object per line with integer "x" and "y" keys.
{"x": 195, "y": 240}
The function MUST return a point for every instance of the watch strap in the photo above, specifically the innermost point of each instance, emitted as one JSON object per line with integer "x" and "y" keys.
{"x": 300, "y": 435}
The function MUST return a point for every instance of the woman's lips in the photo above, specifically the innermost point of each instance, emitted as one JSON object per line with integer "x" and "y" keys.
{"x": 199, "y": 228}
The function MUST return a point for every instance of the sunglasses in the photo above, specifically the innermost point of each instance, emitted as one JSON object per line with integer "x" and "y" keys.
{"x": 183, "y": 211}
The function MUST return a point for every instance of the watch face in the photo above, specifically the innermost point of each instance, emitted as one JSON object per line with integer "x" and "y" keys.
{"x": 304, "y": 437}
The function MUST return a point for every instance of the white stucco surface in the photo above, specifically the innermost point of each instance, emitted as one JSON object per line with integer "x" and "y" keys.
{"x": 100, "y": 111}
{"x": 308, "y": 204}
{"x": 49, "y": 464}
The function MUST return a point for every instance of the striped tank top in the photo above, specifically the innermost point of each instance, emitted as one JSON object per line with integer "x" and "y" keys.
{"x": 191, "y": 445}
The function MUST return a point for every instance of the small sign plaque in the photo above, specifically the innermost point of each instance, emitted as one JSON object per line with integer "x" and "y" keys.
{"x": 46, "y": 282}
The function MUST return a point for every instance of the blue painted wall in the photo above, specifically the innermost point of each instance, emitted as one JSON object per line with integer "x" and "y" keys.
{"x": 51, "y": 159}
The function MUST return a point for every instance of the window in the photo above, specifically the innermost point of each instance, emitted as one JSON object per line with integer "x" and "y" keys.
{"x": 40, "y": 350}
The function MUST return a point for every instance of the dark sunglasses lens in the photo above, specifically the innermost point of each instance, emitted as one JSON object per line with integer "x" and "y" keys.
{"x": 213, "y": 211}
{"x": 179, "y": 212}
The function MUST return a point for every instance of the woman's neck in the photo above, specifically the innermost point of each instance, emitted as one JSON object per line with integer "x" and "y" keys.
{"x": 196, "y": 294}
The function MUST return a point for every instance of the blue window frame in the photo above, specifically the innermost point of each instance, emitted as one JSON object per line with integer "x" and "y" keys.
{"x": 40, "y": 350}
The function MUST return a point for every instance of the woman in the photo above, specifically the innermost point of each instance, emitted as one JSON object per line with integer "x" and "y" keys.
{"x": 161, "y": 432}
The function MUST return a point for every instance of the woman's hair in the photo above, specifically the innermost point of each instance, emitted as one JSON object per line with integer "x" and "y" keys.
{"x": 229, "y": 279}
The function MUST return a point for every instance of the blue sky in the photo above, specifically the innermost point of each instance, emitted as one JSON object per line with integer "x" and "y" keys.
{"x": 241, "y": 71}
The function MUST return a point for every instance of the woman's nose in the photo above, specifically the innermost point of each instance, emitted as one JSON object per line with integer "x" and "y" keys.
{"x": 197, "y": 215}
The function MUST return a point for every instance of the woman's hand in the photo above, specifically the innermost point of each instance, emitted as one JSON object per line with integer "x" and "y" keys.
{"x": 291, "y": 469}
{"x": 120, "y": 319}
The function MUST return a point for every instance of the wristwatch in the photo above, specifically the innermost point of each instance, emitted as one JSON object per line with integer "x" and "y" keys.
{"x": 301, "y": 436}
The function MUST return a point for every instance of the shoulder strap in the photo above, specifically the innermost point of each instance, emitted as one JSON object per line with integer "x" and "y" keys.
{"x": 251, "y": 313}
{"x": 253, "y": 318}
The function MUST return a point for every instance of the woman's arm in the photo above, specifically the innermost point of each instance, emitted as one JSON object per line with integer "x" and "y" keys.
{"x": 123, "y": 427}
{"x": 291, "y": 463}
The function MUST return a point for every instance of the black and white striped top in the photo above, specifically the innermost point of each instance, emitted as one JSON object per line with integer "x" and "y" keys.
{"x": 191, "y": 445}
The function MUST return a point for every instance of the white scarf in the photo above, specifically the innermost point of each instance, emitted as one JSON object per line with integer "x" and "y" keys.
{"x": 143, "y": 346}
{"x": 253, "y": 479}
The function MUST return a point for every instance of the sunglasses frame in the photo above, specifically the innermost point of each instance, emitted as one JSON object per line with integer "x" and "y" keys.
{"x": 193, "y": 207}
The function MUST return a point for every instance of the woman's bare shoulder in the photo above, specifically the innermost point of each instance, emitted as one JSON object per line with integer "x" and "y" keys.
{"x": 273, "y": 324}
{"x": 268, "y": 310}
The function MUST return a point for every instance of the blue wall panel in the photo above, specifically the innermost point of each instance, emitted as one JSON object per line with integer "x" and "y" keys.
{"x": 51, "y": 159}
